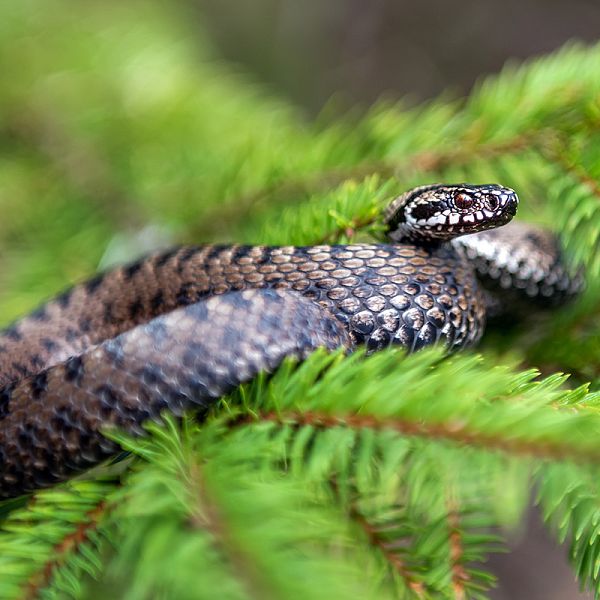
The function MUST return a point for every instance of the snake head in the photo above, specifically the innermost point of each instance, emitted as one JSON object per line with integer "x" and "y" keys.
{"x": 440, "y": 212}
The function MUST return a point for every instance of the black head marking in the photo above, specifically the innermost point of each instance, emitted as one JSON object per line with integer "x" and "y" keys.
{"x": 437, "y": 213}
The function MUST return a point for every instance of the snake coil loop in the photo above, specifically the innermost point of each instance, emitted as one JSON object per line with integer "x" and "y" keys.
{"x": 179, "y": 329}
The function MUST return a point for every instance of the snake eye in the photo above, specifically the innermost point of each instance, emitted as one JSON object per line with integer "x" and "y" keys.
{"x": 463, "y": 201}
{"x": 492, "y": 202}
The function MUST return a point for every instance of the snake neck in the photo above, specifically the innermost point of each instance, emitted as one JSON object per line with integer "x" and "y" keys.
{"x": 406, "y": 234}
{"x": 403, "y": 229}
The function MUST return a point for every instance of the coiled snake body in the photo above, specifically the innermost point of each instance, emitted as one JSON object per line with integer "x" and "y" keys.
{"x": 182, "y": 328}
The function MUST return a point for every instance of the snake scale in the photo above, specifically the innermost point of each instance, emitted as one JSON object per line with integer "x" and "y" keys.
{"x": 178, "y": 329}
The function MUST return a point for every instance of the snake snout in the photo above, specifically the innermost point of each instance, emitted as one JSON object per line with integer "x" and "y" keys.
{"x": 510, "y": 204}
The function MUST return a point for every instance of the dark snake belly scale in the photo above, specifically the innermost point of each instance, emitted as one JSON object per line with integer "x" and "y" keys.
{"x": 179, "y": 329}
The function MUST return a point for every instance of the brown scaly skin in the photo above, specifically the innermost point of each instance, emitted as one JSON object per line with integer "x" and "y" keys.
{"x": 402, "y": 293}
{"x": 50, "y": 422}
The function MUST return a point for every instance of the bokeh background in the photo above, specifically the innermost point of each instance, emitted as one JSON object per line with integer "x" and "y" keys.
{"x": 359, "y": 52}
{"x": 330, "y": 58}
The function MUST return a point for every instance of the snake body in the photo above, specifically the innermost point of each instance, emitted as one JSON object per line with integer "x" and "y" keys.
{"x": 179, "y": 329}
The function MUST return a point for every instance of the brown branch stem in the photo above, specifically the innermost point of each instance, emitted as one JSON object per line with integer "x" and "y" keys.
{"x": 207, "y": 516}
{"x": 391, "y": 557}
{"x": 375, "y": 539}
{"x": 459, "y": 573}
{"x": 454, "y": 431}
{"x": 68, "y": 545}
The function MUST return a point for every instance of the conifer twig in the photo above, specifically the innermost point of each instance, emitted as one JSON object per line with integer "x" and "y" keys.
{"x": 208, "y": 516}
{"x": 459, "y": 573}
{"x": 578, "y": 171}
{"x": 394, "y": 560}
{"x": 385, "y": 547}
{"x": 68, "y": 545}
{"x": 453, "y": 431}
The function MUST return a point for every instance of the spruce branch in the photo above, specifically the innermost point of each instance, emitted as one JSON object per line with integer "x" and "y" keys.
{"x": 386, "y": 530}
{"x": 207, "y": 515}
{"x": 72, "y": 543}
{"x": 468, "y": 405}
{"x": 459, "y": 575}
{"x": 378, "y": 536}
{"x": 53, "y": 540}
{"x": 453, "y": 430}
{"x": 227, "y": 499}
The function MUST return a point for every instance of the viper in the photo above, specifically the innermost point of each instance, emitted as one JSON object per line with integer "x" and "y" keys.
{"x": 176, "y": 330}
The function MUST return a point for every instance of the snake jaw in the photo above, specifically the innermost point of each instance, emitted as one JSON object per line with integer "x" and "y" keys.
{"x": 442, "y": 212}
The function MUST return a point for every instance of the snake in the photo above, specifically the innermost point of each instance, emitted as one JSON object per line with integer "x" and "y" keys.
{"x": 178, "y": 329}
